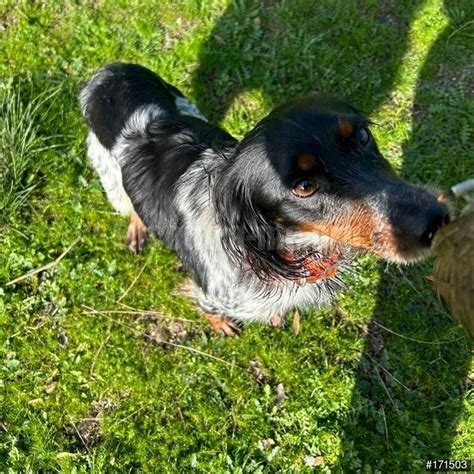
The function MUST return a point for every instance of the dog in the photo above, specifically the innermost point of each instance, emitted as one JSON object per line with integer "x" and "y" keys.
{"x": 265, "y": 225}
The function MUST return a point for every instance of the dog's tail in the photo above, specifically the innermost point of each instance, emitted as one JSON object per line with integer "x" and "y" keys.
{"x": 118, "y": 90}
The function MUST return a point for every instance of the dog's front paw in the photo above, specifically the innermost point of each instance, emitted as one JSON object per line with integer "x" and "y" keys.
{"x": 277, "y": 321}
{"x": 222, "y": 326}
{"x": 186, "y": 288}
{"x": 137, "y": 234}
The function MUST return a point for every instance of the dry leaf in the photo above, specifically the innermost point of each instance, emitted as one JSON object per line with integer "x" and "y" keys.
{"x": 312, "y": 461}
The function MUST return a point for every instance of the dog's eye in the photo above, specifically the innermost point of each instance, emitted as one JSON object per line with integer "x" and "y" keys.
{"x": 363, "y": 136}
{"x": 304, "y": 188}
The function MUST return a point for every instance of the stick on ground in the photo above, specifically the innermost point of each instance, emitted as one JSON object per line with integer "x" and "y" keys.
{"x": 45, "y": 267}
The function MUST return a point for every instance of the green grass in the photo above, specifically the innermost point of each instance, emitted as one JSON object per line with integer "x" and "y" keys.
{"x": 358, "y": 395}
{"x": 21, "y": 142}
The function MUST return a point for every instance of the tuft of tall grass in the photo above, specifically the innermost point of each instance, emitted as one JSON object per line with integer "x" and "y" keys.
{"x": 21, "y": 143}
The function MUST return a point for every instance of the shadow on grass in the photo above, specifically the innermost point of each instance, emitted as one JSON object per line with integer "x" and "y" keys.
{"x": 284, "y": 50}
{"x": 407, "y": 397}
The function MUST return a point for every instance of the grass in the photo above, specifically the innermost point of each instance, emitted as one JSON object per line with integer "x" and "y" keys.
{"x": 20, "y": 143}
{"x": 104, "y": 368}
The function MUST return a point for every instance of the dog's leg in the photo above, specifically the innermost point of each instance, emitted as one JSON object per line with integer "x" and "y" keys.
{"x": 137, "y": 234}
{"x": 222, "y": 325}
{"x": 110, "y": 175}
{"x": 277, "y": 321}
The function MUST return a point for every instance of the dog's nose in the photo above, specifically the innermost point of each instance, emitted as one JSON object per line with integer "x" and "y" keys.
{"x": 435, "y": 217}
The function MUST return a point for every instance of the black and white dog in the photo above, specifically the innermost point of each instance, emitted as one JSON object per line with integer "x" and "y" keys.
{"x": 265, "y": 225}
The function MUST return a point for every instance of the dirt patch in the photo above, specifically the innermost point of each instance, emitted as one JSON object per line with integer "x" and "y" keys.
{"x": 88, "y": 431}
{"x": 259, "y": 374}
{"x": 375, "y": 341}
{"x": 166, "y": 332}
{"x": 6, "y": 21}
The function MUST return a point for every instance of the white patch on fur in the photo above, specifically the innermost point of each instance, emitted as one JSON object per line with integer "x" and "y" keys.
{"x": 110, "y": 175}
{"x": 188, "y": 108}
{"x": 108, "y": 163}
{"x": 229, "y": 292}
{"x": 300, "y": 239}
{"x": 135, "y": 126}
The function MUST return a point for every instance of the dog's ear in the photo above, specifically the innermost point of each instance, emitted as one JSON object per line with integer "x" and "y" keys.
{"x": 248, "y": 233}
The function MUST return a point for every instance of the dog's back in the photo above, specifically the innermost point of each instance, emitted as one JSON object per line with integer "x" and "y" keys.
{"x": 118, "y": 90}
{"x": 143, "y": 136}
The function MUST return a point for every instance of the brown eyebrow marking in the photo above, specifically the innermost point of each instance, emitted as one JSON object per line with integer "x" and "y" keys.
{"x": 306, "y": 162}
{"x": 346, "y": 129}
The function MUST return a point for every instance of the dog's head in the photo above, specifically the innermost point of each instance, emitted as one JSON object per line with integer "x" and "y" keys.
{"x": 310, "y": 175}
